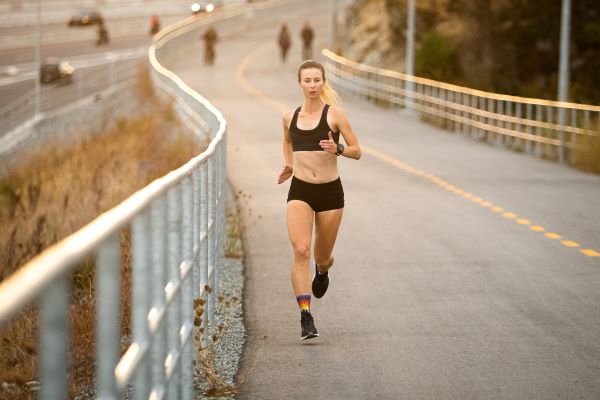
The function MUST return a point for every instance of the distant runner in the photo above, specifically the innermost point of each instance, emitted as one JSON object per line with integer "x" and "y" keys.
{"x": 307, "y": 33}
{"x": 210, "y": 37}
{"x": 311, "y": 144}
{"x": 284, "y": 41}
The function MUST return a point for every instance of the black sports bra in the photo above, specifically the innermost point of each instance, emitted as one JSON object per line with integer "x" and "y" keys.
{"x": 308, "y": 139}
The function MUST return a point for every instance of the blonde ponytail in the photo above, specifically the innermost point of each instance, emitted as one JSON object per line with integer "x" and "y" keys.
{"x": 330, "y": 96}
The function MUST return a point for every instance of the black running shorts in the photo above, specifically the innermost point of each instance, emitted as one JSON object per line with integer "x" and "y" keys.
{"x": 319, "y": 196}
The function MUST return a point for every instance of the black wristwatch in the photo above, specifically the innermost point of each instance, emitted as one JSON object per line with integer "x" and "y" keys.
{"x": 340, "y": 149}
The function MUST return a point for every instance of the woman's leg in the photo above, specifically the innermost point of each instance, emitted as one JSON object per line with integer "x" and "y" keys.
{"x": 300, "y": 224}
{"x": 327, "y": 224}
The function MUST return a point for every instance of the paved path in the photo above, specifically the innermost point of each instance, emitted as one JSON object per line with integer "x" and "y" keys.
{"x": 433, "y": 295}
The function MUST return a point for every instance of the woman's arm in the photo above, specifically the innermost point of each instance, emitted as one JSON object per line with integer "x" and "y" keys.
{"x": 340, "y": 121}
{"x": 288, "y": 169}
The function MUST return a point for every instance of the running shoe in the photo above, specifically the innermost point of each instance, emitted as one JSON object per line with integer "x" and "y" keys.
{"x": 308, "y": 326}
{"x": 320, "y": 283}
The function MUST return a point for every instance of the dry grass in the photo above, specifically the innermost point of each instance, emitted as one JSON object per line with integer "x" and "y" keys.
{"x": 587, "y": 158}
{"x": 204, "y": 361}
{"x": 54, "y": 192}
{"x": 235, "y": 229}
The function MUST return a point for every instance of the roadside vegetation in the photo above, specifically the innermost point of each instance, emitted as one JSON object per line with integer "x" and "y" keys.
{"x": 55, "y": 191}
{"x": 502, "y": 46}
{"x": 587, "y": 156}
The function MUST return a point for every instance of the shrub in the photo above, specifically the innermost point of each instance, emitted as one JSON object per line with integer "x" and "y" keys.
{"x": 587, "y": 156}
{"x": 436, "y": 58}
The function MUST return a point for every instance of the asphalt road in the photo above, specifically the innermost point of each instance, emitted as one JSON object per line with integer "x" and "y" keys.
{"x": 435, "y": 294}
{"x": 26, "y": 56}
{"x": 96, "y": 68}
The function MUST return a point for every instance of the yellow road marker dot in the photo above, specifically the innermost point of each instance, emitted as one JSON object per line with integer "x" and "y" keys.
{"x": 476, "y": 199}
{"x": 570, "y": 243}
{"x": 590, "y": 253}
{"x": 497, "y": 209}
{"x": 467, "y": 195}
{"x": 509, "y": 215}
{"x": 486, "y": 203}
{"x": 450, "y": 187}
{"x": 419, "y": 173}
{"x": 552, "y": 235}
{"x": 537, "y": 228}
{"x": 523, "y": 221}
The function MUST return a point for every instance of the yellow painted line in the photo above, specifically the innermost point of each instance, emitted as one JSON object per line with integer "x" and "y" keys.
{"x": 570, "y": 243}
{"x": 241, "y": 70}
{"x": 552, "y": 235}
{"x": 240, "y": 77}
{"x": 590, "y": 253}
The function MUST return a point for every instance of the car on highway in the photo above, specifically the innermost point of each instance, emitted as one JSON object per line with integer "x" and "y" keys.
{"x": 205, "y": 6}
{"x": 86, "y": 18}
{"x": 54, "y": 69}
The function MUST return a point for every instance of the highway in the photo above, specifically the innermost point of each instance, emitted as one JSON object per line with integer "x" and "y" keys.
{"x": 92, "y": 63}
{"x": 461, "y": 269}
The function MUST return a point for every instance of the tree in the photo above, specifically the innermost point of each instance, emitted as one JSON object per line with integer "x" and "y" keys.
{"x": 436, "y": 58}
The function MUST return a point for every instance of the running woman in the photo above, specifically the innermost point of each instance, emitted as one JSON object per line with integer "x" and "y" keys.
{"x": 311, "y": 147}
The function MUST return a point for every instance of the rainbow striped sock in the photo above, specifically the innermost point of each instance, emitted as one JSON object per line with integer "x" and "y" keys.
{"x": 303, "y": 302}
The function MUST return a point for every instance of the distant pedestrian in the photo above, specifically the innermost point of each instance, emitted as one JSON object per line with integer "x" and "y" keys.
{"x": 307, "y": 33}
{"x": 154, "y": 25}
{"x": 103, "y": 37}
{"x": 311, "y": 146}
{"x": 284, "y": 41}
{"x": 210, "y": 37}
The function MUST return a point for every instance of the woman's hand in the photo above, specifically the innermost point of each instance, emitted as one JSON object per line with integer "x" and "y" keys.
{"x": 285, "y": 173}
{"x": 329, "y": 145}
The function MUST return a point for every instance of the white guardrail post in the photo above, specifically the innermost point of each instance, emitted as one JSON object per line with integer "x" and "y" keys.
{"x": 483, "y": 115}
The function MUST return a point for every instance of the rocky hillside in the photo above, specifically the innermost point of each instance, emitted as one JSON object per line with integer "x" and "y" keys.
{"x": 505, "y": 46}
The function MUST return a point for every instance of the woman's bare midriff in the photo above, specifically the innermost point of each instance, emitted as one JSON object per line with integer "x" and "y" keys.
{"x": 315, "y": 166}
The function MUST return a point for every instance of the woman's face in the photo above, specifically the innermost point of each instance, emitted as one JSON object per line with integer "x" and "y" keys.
{"x": 311, "y": 82}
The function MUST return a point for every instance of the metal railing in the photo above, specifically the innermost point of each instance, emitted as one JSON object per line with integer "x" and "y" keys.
{"x": 177, "y": 228}
{"x": 548, "y": 129}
